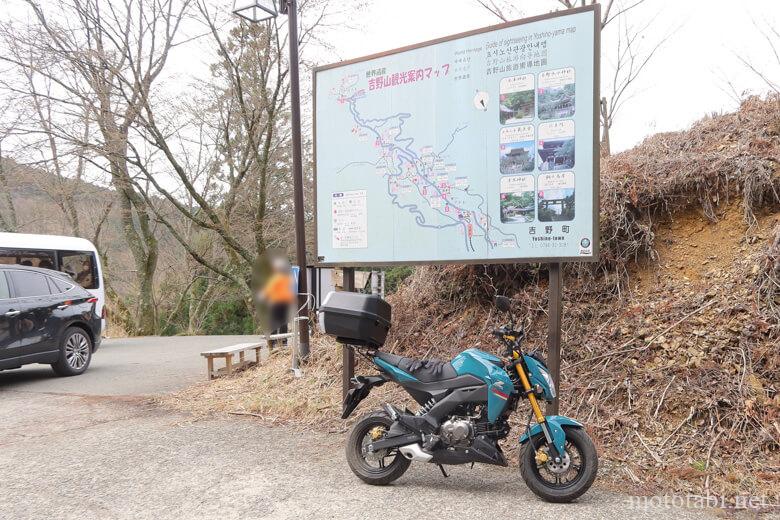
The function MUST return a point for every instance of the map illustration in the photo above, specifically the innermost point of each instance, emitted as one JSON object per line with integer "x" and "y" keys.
{"x": 430, "y": 155}
{"x": 419, "y": 180}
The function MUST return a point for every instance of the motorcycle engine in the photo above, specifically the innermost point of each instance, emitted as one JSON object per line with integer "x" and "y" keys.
{"x": 457, "y": 432}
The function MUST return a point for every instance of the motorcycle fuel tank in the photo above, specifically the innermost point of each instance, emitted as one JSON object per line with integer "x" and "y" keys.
{"x": 488, "y": 368}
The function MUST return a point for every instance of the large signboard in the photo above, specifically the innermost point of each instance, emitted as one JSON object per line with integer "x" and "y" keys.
{"x": 481, "y": 147}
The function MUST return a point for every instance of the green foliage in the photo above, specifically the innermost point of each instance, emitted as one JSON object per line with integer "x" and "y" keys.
{"x": 699, "y": 465}
{"x": 519, "y": 100}
{"x": 521, "y": 105}
{"x": 555, "y": 94}
{"x": 228, "y": 317}
{"x": 523, "y": 200}
{"x": 394, "y": 276}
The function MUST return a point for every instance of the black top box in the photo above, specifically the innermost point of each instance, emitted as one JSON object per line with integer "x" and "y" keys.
{"x": 355, "y": 319}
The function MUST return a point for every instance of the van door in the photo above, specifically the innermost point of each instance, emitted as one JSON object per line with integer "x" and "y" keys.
{"x": 9, "y": 313}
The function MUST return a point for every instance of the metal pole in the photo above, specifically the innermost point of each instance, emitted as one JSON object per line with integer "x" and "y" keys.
{"x": 347, "y": 354}
{"x": 374, "y": 282}
{"x": 300, "y": 232}
{"x": 554, "y": 332}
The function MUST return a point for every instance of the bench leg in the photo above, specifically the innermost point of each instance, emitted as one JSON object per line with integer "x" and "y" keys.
{"x": 229, "y": 363}
{"x": 257, "y": 355}
{"x": 241, "y": 357}
{"x": 210, "y": 361}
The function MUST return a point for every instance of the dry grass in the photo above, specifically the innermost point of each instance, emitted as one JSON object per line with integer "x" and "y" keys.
{"x": 273, "y": 393}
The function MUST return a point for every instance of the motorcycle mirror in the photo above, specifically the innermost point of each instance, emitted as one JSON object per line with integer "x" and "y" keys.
{"x": 503, "y": 303}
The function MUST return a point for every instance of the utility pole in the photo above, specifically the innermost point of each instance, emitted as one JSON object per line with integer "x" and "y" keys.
{"x": 257, "y": 11}
{"x": 291, "y": 9}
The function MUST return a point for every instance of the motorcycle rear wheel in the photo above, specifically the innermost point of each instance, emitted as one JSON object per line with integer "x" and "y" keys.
{"x": 554, "y": 484}
{"x": 375, "y": 469}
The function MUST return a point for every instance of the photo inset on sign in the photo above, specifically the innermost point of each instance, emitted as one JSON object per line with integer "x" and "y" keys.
{"x": 516, "y": 147}
{"x": 517, "y": 199}
{"x": 555, "y": 145}
{"x": 516, "y": 99}
{"x": 556, "y": 196}
{"x": 556, "y": 93}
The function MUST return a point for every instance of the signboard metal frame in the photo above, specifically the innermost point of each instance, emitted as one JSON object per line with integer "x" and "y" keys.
{"x": 596, "y": 9}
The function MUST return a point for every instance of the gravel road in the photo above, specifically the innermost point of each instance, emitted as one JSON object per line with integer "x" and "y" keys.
{"x": 64, "y": 454}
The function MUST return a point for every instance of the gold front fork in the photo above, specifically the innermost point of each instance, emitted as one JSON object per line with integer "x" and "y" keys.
{"x": 527, "y": 387}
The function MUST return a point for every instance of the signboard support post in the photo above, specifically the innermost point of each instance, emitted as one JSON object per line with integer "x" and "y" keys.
{"x": 554, "y": 331}
{"x": 347, "y": 354}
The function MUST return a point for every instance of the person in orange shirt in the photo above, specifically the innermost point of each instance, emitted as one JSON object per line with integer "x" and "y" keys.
{"x": 278, "y": 294}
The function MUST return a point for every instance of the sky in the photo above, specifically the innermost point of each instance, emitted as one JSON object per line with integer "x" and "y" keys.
{"x": 690, "y": 76}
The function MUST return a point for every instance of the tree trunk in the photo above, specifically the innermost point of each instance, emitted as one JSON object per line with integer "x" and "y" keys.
{"x": 7, "y": 222}
{"x": 140, "y": 238}
{"x": 605, "y": 124}
{"x": 147, "y": 309}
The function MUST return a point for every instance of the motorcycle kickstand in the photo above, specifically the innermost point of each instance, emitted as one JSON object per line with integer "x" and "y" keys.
{"x": 442, "y": 470}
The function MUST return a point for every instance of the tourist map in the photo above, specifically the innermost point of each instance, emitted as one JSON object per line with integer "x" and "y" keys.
{"x": 476, "y": 148}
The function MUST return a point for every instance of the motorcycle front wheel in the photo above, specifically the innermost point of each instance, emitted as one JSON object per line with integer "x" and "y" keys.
{"x": 565, "y": 481}
{"x": 378, "y": 468}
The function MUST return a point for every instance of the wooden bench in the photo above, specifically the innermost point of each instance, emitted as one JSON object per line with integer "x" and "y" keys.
{"x": 227, "y": 354}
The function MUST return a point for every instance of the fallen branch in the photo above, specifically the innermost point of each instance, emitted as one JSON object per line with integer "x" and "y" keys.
{"x": 248, "y": 413}
{"x": 663, "y": 396}
{"x": 690, "y": 416}
{"x": 651, "y": 452}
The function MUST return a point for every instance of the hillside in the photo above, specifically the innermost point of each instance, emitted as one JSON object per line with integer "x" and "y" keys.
{"x": 670, "y": 342}
{"x": 35, "y": 193}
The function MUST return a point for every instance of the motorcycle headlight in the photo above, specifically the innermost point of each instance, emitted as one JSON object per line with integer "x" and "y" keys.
{"x": 549, "y": 381}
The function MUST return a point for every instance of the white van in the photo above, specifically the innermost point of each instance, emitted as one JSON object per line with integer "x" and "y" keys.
{"x": 75, "y": 256}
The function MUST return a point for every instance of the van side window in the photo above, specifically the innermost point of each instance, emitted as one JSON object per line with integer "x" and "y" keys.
{"x": 28, "y": 284}
{"x": 80, "y": 266}
{"x": 4, "y": 292}
{"x": 28, "y": 257}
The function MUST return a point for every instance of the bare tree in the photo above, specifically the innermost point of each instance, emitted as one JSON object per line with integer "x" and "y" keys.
{"x": 38, "y": 110}
{"x": 610, "y": 11}
{"x": 235, "y": 183}
{"x": 104, "y": 56}
{"x": 629, "y": 58}
{"x": 7, "y": 208}
{"x": 772, "y": 37}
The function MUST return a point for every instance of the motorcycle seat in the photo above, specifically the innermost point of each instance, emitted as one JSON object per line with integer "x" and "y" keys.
{"x": 426, "y": 370}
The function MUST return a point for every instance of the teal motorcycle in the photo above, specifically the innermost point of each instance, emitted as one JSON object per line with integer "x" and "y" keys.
{"x": 464, "y": 407}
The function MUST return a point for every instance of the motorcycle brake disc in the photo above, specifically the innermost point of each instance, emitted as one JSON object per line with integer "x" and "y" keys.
{"x": 559, "y": 467}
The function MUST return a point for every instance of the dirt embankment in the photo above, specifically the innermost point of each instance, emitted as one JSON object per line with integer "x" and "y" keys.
{"x": 671, "y": 341}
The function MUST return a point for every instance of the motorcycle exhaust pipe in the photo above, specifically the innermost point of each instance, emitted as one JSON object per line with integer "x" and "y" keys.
{"x": 415, "y": 452}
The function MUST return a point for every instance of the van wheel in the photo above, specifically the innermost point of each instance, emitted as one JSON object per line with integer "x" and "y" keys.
{"x": 75, "y": 353}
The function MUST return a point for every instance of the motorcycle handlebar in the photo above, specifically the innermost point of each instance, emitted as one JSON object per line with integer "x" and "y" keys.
{"x": 506, "y": 331}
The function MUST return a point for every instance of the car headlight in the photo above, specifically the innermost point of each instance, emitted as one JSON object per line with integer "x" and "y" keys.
{"x": 549, "y": 381}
